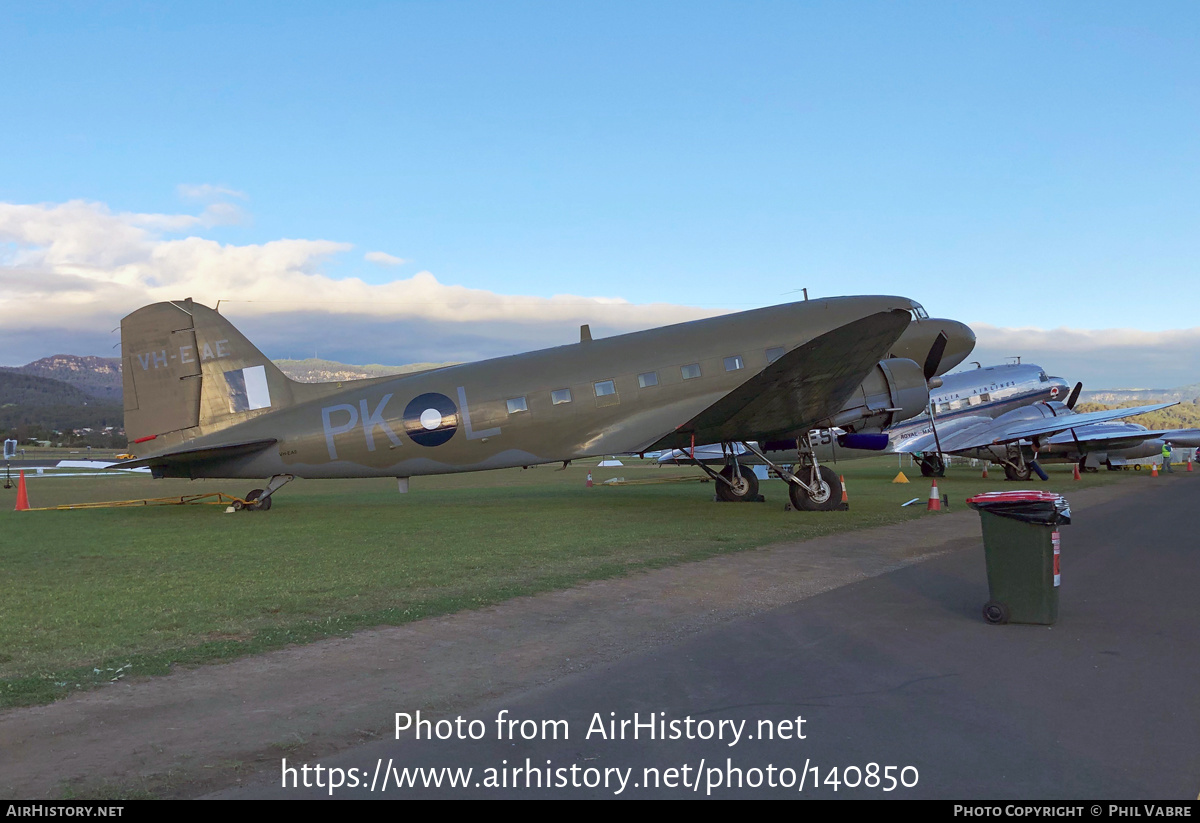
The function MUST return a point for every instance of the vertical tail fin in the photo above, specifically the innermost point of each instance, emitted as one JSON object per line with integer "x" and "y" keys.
{"x": 188, "y": 372}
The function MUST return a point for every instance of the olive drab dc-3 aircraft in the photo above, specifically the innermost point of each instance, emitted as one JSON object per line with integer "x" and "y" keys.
{"x": 202, "y": 401}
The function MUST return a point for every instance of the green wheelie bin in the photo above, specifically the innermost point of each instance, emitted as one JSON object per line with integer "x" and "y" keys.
{"x": 1021, "y": 544}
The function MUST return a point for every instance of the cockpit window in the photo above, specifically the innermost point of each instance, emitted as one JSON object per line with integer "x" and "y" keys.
{"x": 1042, "y": 376}
{"x": 919, "y": 312}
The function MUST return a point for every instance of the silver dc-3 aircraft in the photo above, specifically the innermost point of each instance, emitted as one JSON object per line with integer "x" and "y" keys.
{"x": 1012, "y": 415}
{"x": 202, "y": 401}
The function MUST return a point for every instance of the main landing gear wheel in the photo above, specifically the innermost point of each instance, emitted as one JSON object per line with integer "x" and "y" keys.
{"x": 256, "y": 505}
{"x": 739, "y": 488}
{"x": 933, "y": 466}
{"x": 1022, "y": 474}
{"x": 1084, "y": 467}
{"x": 825, "y": 498}
{"x": 995, "y": 612}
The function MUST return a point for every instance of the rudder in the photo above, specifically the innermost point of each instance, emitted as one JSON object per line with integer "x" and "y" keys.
{"x": 188, "y": 372}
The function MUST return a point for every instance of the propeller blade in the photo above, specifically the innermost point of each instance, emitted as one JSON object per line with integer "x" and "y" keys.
{"x": 1074, "y": 396}
{"x": 934, "y": 358}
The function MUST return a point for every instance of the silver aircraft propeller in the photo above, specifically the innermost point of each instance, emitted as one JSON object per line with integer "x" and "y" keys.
{"x": 1074, "y": 398}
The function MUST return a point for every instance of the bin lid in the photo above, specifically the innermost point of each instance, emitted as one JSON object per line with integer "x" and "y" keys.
{"x": 1028, "y": 505}
{"x": 1019, "y": 496}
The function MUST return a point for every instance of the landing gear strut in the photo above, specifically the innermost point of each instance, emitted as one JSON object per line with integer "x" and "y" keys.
{"x": 813, "y": 487}
{"x": 736, "y": 483}
{"x": 259, "y": 500}
{"x": 933, "y": 465}
{"x": 740, "y": 484}
{"x": 1015, "y": 467}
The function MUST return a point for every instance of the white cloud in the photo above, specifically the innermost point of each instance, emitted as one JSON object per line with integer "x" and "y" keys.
{"x": 79, "y": 266}
{"x": 383, "y": 258}
{"x": 1101, "y": 358}
{"x": 207, "y": 192}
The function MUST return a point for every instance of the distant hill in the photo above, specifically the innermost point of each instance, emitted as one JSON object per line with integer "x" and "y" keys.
{"x": 30, "y": 391}
{"x": 1184, "y": 416}
{"x": 1141, "y": 397}
{"x": 314, "y": 370}
{"x": 32, "y": 406}
{"x": 99, "y": 377}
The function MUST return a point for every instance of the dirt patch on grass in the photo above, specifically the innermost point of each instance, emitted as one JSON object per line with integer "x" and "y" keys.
{"x": 211, "y": 727}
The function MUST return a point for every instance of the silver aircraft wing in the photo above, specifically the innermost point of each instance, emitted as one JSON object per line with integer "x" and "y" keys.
{"x": 987, "y": 432}
{"x": 948, "y": 433}
{"x": 1021, "y": 429}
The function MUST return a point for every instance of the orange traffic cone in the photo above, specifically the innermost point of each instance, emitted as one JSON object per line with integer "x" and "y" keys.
{"x": 22, "y": 494}
{"x": 935, "y": 499}
{"x": 985, "y": 465}
{"x": 845, "y": 497}
{"x": 1076, "y": 474}
{"x": 1189, "y": 465}
{"x": 589, "y": 483}
{"x": 1154, "y": 470}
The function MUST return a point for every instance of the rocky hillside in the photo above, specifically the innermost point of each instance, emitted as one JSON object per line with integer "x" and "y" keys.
{"x": 1141, "y": 397}
{"x": 327, "y": 371}
{"x": 99, "y": 377}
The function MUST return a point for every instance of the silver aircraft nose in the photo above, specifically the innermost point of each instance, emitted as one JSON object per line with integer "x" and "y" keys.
{"x": 920, "y": 335}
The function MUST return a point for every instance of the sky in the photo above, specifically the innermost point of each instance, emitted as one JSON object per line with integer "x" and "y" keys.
{"x": 444, "y": 181}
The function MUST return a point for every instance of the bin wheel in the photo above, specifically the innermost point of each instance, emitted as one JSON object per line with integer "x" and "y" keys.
{"x": 995, "y": 612}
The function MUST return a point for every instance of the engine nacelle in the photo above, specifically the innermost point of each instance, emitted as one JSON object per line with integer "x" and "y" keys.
{"x": 894, "y": 391}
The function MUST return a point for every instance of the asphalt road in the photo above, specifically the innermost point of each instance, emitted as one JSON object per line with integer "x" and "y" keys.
{"x": 897, "y": 670}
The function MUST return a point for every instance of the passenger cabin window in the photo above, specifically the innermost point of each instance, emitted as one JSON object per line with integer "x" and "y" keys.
{"x": 690, "y": 371}
{"x": 517, "y": 404}
{"x": 774, "y": 353}
{"x": 605, "y": 388}
{"x": 648, "y": 379}
{"x": 985, "y": 397}
{"x": 733, "y": 363}
{"x": 560, "y": 396}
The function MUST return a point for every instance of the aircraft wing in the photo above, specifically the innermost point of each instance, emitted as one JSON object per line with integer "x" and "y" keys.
{"x": 1097, "y": 433}
{"x": 992, "y": 432}
{"x": 949, "y": 433}
{"x": 1182, "y": 437}
{"x": 1018, "y": 430}
{"x": 197, "y": 455}
{"x": 806, "y": 385}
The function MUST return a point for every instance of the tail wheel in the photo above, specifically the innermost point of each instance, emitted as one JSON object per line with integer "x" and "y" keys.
{"x": 254, "y": 504}
{"x": 739, "y": 488}
{"x": 826, "y": 497}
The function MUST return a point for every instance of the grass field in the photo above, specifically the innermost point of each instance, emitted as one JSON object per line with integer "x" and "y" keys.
{"x": 91, "y": 595}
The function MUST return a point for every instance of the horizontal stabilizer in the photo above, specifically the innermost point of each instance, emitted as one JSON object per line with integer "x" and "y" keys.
{"x": 197, "y": 455}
